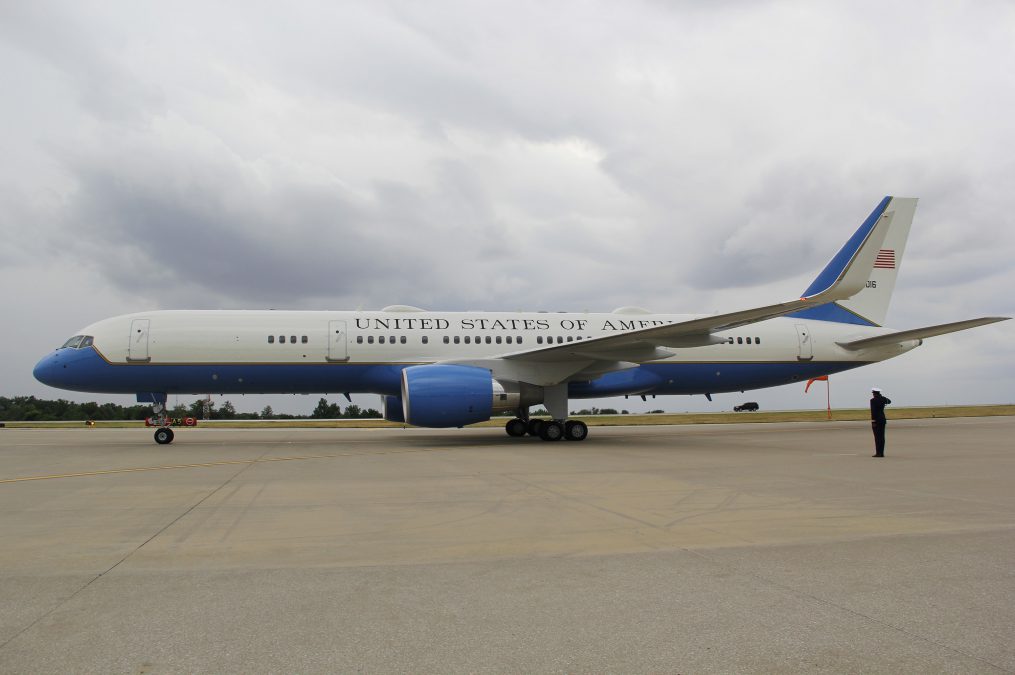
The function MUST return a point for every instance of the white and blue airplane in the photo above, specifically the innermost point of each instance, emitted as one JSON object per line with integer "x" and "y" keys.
{"x": 450, "y": 369}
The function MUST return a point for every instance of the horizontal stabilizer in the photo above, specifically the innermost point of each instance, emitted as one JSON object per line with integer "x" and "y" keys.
{"x": 919, "y": 333}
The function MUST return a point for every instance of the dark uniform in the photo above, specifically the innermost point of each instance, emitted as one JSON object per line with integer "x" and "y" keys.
{"x": 878, "y": 422}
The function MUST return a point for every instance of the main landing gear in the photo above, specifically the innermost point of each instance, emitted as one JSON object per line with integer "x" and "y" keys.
{"x": 548, "y": 430}
{"x": 558, "y": 428}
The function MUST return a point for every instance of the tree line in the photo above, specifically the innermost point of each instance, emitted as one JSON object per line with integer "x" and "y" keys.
{"x": 31, "y": 409}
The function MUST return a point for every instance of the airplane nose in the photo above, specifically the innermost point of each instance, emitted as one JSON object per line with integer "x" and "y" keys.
{"x": 45, "y": 371}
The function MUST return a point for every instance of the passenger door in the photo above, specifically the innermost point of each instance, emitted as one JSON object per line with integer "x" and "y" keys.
{"x": 806, "y": 352}
{"x": 338, "y": 349}
{"x": 137, "y": 348}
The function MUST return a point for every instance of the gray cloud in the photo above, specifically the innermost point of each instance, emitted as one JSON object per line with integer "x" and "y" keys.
{"x": 87, "y": 52}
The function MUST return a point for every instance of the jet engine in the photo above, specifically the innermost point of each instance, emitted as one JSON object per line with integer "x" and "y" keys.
{"x": 444, "y": 395}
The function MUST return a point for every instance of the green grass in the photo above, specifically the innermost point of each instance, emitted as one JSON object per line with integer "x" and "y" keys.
{"x": 591, "y": 420}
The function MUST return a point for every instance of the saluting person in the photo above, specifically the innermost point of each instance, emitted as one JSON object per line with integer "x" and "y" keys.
{"x": 878, "y": 421}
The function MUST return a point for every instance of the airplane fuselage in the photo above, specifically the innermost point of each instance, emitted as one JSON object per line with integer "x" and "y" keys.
{"x": 263, "y": 352}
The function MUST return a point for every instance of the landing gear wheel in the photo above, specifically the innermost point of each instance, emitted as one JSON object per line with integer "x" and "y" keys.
{"x": 164, "y": 436}
{"x": 516, "y": 427}
{"x": 535, "y": 427}
{"x": 552, "y": 431}
{"x": 575, "y": 430}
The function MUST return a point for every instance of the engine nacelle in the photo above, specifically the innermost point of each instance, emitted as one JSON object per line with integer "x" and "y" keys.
{"x": 446, "y": 395}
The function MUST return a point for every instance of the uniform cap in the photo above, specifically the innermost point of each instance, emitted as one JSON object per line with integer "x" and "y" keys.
{"x": 877, "y": 389}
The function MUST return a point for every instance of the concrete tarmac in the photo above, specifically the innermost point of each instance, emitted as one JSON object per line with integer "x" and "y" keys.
{"x": 714, "y": 548}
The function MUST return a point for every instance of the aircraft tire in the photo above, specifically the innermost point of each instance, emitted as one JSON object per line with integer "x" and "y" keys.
{"x": 535, "y": 427}
{"x": 164, "y": 436}
{"x": 575, "y": 430}
{"x": 516, "y": 428}
{"x": 552, "y": 431}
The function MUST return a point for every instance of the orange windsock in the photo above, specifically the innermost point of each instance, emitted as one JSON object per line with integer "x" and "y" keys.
{"x": 813, "y": 380}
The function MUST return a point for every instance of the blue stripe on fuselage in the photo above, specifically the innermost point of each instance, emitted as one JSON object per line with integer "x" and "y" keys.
{"x": 699, "y": 378}
{"x": 832, "y": 312}
{"x": 86, "y": 370}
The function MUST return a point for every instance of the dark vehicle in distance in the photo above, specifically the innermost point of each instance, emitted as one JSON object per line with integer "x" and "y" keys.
{"x": 750, "y": 406}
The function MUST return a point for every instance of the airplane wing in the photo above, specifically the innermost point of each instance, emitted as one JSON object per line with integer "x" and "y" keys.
{"x": 845, "y": 275}
{"x": 919, "y": 333}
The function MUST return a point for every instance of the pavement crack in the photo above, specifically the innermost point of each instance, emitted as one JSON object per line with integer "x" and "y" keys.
{"x": 130, "y": 553}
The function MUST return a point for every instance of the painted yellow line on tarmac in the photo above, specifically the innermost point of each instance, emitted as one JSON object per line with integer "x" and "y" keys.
{"x": 199, "y": 465}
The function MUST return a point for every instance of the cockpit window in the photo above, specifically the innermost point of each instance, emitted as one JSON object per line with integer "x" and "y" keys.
{"x": 78, "y": 342}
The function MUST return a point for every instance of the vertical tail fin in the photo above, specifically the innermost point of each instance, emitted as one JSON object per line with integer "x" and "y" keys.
{"x": 870, "y": 306}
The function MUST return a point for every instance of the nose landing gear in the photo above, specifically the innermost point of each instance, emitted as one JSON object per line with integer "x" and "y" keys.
{"x": 163, "y": 435}
{"x": 159, "y": 419}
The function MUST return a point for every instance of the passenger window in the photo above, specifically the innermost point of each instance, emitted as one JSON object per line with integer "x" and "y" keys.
{"x": 508, "y": 338}
{"x": 304, "y": 339}
{"x": 391, "y": 340}
{"x": 359, "y": 339}
{"x": 748, "y": 340}
{"x": 370, "y": 339}
{"x": 380, "y": 339}
{"x": 740, "y": 341}
{"x": 426, "y": 339}
{"x": 570, "y": 339}
{"x": 292, "y": 339}
{"x": 447, "y": 339}
{"x": 281, "y": 339}
{"x": 489, "y": 340}
{"x": 402, "y": 339}
{"x": 560, "y": 340}
{"x": 457, "y": 340}
{"x": 271, "y": 339}
{"x": 497, "y": 339}
{"x": 539, "y": 339}
{"x": 519, "y": 339}
{"x": 731, "y": 340}
{"x": 757, "y": 341}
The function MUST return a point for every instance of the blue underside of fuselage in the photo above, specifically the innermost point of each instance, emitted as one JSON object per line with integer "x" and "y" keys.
{"x": 85, "y": 370}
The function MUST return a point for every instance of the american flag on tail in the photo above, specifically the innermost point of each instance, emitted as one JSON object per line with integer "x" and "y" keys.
{"x": 885, "y": 259}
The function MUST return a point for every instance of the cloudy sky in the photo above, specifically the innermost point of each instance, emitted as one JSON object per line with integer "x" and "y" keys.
{"x": 682, "y": 156}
